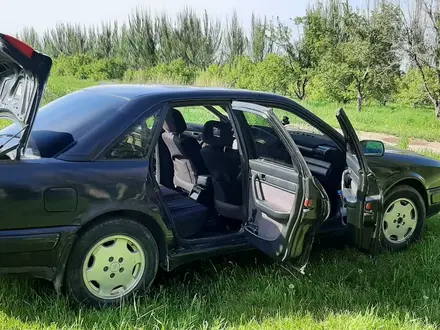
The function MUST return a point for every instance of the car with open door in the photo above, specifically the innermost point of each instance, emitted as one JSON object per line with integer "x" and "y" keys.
{"x": 101, "y": 187}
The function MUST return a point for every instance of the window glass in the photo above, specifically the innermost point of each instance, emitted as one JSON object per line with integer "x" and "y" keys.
{"x": 71, "y": 116}
{"x": 267, "y": 144}
{"x": 293, "y": 123}
{"x": 199, "y": 114}
{"x": 136, "y": 143}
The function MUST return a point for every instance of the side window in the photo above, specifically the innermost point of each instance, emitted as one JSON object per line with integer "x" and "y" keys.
{"x": 136, "y": 143}
{"x": 293, "y": 123}
{"x": 267, "y": 144}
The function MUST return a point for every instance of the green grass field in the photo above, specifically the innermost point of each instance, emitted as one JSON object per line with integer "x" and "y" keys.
{"x": 343, "y": 288}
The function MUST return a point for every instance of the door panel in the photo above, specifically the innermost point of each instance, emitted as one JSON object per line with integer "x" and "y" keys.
{"x": 362, "y": 195}
{"x": 275, "y": 197}
{"x": 273, "y": 203}
{"x": 273, "y": 189}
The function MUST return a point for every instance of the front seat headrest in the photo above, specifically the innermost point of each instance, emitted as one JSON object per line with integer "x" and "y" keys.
{"x": 218, "y": 134}
{"x": 174, "y": 122}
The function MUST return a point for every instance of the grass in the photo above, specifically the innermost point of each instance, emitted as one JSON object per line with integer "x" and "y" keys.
{"x": 343, "y": 288}
{"x": 398, "y": 120}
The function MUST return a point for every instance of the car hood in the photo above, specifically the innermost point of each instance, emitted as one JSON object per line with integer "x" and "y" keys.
{"x": 392, "y": 151}
{"x": 397, "y": 164}
{"x": 23, "y": 76}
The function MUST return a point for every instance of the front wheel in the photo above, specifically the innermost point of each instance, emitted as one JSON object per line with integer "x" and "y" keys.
{"x": 111, "y": 261}
{"x": 403, "y": 218}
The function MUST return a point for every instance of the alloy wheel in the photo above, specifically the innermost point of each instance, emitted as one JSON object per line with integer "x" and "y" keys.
{"x": 114, "y": 266}
{"x": 400, "y": 220}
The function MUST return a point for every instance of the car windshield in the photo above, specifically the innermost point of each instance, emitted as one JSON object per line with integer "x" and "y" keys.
{"x": 66, "y": 120}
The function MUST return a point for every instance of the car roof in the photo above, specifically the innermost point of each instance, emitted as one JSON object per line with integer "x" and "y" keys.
{"x": 171, "y": 92}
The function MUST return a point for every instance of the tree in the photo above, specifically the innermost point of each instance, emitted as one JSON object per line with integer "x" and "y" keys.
{"x": 362, "y": 61}
{"x": 165, "y": 39}
{"x": 421, "y": 41}
{"x": 235, "y": 39}
{"x": 139, "y": 42}
{"x": 318, "y": 32}
{"x": 197, "y": 39}
{"x": 106, "y": 41}
{"x": 67, "y": 39}
{"x": 298, "y": 57}
{"x": 259, "y": 41}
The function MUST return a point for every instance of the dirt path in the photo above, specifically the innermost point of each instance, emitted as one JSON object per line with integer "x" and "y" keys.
{"x": 413, "y": 144}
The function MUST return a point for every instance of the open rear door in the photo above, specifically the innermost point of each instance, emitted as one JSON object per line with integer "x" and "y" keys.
{"x": 362, "y": 196}
{"x": 286, "y": 204}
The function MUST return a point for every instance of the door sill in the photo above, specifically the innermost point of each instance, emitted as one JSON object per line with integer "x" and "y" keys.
{"x": 195, "y": 252}
{"x": 210, "y": 239}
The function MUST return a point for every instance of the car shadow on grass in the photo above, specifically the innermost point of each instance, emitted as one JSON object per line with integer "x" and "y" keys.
{"x": 250, "y": 288}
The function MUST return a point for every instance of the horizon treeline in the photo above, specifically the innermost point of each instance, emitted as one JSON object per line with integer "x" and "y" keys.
{"x": 381, "y": 53}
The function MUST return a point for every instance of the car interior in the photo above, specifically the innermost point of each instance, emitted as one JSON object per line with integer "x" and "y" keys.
{"x": 202, "y": 180}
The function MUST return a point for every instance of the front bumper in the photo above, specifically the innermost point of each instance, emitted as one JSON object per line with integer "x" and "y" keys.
{"x": 35, "y": 252}
{"x": 433, "y": 202}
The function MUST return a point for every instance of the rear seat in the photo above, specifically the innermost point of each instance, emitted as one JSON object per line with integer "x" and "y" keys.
{"x": 188, "y": 215}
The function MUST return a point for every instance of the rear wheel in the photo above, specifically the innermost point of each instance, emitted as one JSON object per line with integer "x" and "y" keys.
{"x": 403, "y": 218}
{"x": 111, "y": 261}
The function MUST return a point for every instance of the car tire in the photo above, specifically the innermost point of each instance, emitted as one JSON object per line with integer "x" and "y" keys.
{"x": 110, "y": 261}
{"x": 400, "y": 204}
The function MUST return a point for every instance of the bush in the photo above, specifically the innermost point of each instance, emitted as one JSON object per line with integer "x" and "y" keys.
{"x": 240, "y": 73}
{"x": 86, "y": 66}
{"x": 411, "y": 90}
{"x": 214, "y": 75}
{"x": 176, "y": 72}
{"x": 272, "y": 75}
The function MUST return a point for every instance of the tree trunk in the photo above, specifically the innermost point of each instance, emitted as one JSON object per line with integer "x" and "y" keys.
{"x": 359, "y": 100}
{"x": 300, "y": 91}
{"x": 437, "y": 109}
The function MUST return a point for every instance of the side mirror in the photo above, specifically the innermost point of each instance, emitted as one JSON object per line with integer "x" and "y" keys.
{"x": 373, "y": 148}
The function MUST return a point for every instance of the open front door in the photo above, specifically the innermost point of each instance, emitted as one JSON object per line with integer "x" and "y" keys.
{"x": 286, "y": 204}
{"x": 362, "y": 196}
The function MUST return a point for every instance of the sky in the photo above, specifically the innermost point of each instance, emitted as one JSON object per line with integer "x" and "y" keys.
{"x": 44, "y": 14}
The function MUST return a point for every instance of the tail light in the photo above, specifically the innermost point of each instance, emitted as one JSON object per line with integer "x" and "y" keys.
{"x": 21, "y": 46}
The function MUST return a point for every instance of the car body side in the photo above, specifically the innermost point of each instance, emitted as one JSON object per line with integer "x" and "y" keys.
{"x": 47, "y": 202}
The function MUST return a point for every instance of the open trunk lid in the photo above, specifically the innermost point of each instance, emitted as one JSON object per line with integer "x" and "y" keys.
{"x": 23, "y": 77}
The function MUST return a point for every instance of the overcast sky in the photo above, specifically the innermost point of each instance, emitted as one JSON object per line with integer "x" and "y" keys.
{"x": 44, "y": 14}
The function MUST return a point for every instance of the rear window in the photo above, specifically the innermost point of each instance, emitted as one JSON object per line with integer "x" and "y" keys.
{"x": 67, "y": 119}
{"x": 77, "y": 113}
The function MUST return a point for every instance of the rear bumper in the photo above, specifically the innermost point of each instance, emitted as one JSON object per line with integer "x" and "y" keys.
{"x": 34, "y": 252}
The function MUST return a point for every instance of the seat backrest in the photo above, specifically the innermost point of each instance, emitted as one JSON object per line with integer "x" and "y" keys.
{"x": 223, "y": 162}
{"x": 184, "y": 151}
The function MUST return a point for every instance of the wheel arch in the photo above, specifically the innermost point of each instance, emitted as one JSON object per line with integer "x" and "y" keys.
{"x": 161, "y": 236}
{"x": 139, "y": 216}
{"x": 412, "y": 182}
